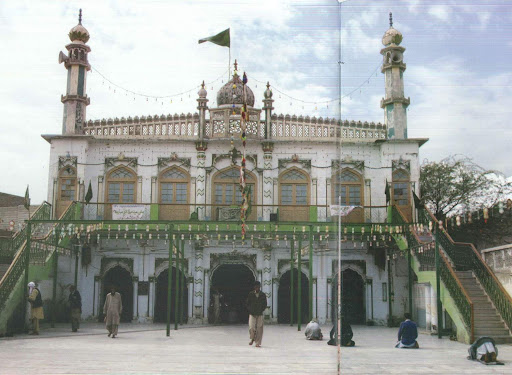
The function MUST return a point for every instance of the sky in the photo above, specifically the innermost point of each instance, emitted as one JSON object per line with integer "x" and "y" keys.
{"x": 146, "y": 60}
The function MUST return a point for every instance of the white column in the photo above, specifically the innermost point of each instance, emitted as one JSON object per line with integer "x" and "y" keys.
{"x": 267, "y": 276}
{"x": 275, "y": 304}
{"x": 97, "y": 298}
{"x": 135, "y": 280}
{"x": 206, "y": 294}
{"x": 268, "y": 181}
{"x": 154, "y": 197}
{"x": 369, "y": 301}
{"x": 139, "y": 189}
{"x": 329, "y": 299}
{"x": 198, "y": 284}
{"x": 200, "y": 180}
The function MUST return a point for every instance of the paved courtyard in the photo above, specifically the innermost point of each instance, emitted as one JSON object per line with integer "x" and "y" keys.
{"x": 144, "y": 349}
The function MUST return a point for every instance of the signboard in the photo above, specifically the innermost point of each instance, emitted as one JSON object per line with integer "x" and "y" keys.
{"x": 130, "y": 212}
{"x": 337, "y": 210}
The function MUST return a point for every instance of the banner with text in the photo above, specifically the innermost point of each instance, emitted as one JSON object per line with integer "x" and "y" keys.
{"x": 130, "y": 212}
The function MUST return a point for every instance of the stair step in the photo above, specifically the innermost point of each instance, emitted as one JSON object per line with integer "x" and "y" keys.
{"x": 489, "y": 324}
{"x": 502, "y": 339}
{"x": 491, "y": 331}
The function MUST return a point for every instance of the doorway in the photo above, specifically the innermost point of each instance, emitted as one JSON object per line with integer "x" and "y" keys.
{"x": 284, "y": 297}
{"x": 122, "y": 280}
{"x": 233, "y": 282}
{"x": 161, "y": 296}
{"x": 353, "y": 294}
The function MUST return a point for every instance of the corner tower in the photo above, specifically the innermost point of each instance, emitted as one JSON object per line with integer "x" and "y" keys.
{"x": 395, "y": 103}
{"x": 75, "y": 101}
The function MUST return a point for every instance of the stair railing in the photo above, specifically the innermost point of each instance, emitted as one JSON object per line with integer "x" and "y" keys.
{"x": 446, "y": 273}
{"x": 17, "y": 268}
{"x": 466, "y": 257}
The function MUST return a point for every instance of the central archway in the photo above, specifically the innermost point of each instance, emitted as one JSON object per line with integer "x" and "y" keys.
{"x": 122, "y": 280}
{"x": 284, "y": 297}
{"x": 353, "y": 294}
{"x": 161, "y": 296}
{"x": 233, "y": 282}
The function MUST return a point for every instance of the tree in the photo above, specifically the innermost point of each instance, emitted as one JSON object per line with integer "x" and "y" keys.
{"x": 458, "y": 184}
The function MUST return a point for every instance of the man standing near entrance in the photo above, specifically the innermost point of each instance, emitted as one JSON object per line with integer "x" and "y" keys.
{"x": 256, "y": 304}
{"x": 75, "y": 303}
{"x": 112, "y": 309}
{"x": 36, "y": 307}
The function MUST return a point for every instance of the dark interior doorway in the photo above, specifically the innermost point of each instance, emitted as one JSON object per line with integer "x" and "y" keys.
{"x": 122, "y": 280}
{"x": 233, "y": 282}
{"x": 284, "y": 297}
{"x": 161, "y": 296}
{"x": 353, "y": 293}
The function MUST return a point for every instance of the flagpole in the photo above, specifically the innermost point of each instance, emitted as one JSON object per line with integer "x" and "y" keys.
{"x": 229, "y": 63}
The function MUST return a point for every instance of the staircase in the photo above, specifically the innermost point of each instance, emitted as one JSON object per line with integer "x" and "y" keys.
{"x": 484, "y": 306}
{"x": 3, "y": 269}
{"x": 487, "y": 321}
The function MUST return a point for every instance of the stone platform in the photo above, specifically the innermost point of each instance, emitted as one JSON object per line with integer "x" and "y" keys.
{"x": 144, "y": 349}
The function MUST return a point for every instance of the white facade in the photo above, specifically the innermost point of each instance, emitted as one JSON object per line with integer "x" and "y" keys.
{"x": 199, "y": 148}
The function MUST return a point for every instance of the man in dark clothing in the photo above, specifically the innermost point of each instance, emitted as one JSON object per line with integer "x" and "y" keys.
{"x": 75, "y": 303}
{"x": 407, "y": 334}
{"x": 346, "y": 333}
{"x": 256, "y": 304}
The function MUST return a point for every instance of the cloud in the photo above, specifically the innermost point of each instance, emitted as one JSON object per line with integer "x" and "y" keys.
{"x": 441, "y": 12}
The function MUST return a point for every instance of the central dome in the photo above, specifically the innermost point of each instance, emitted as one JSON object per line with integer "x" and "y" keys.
{"x": 228, "y": 95}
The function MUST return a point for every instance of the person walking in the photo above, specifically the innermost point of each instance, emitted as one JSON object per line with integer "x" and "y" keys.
{"x": 256, "y": 304}
{"x": 112, "y": 309}
{"x": 75, "y": 303}
{"x": 36, "y": 307}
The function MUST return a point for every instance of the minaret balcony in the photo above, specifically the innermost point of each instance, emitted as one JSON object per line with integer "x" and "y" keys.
{"x": 387, "y": 101}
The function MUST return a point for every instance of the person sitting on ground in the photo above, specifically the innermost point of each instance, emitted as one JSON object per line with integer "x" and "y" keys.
{"x": 484, "y": 350}
{"x": 346, "y": 333}
{"x": 313, "y": 331}
{"x": 407, "y": 334}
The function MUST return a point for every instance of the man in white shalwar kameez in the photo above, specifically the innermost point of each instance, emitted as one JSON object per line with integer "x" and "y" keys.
{"x": 112, "y": 309}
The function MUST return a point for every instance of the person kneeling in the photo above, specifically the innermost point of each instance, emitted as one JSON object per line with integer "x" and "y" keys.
{"x": 346, "y": 333}
{"x": 485, "y": 351}
{"x": 313, "y": 331}
{"x": 407, "y": 334}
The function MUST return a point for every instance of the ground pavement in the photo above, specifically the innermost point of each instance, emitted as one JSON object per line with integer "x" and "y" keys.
{"x": 144, "y": 349}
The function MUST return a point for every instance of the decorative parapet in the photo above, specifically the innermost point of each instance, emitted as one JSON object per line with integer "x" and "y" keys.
{"x": 224, "y": 125}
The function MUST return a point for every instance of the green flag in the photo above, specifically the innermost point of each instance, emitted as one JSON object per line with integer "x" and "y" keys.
{"x": 26, "y": 203}
{"x": 221, "y": 39}
{"x": 88, "y": 196}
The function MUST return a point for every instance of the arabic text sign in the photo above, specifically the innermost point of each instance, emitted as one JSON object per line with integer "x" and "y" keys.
{"x": 130, "y": 212}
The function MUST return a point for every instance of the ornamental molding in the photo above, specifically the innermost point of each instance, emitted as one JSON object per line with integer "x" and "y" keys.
{"x": 401, "y": 164}
{"x": 162, "y": 264}
{"x": 120, "y": 159}
{"x": 235, "y": 156}
{"x": 358, "y": 266}
{"x": 295, "y": 159}
{"x": 347, "y": 162}
{"x": 68, "y": 161}
{"x": 108, "y": 263}
{"x": 173, "y": 160}
{"x": 249, "y": 260}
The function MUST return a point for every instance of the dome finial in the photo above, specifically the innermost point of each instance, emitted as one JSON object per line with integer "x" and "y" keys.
{"x": 236, "y": 65}
{"x": 202, "y": 84}
{"x": 268, "y": 84}
{"x": 390, "y": 19}
{"x": 80, "y": 17}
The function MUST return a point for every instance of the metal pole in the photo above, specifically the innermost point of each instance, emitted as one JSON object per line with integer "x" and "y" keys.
{"x": 292, "y": 285}
{"x": 299, "y": 281}
{"x": 338, "y": 307}
{"x": 390, "y": 302}
{"x": 182, "y": 289}
{"x": 310, "y": 272}
{"x": 55, "y": 271}
{"x": 76, "y": 264}
{"x": 169, "y": 281}
{"x": 27, "y": 263}
{"x": 438, "y": 287}
{"x": 409, "y": 261}
{"x": 177, "y": 283}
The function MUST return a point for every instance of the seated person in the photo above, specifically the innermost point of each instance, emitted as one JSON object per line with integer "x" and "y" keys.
{"x": 484, "y": 350}
{"x": 313, "y": 331}
{"x": 407, "y": 334}
{"x": 346, "y": 333}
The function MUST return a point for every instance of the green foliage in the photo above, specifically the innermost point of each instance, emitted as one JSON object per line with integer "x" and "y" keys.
{"x": 456, "y": 184}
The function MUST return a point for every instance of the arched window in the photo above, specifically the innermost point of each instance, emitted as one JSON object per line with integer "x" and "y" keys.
{"x": 226, "y": 192}
{"x": 293, "y": 195}
{"x": 401, "y": 191}
{"x": 121, "y": 184}
{"x": 67, "y": 189}
{"x": 348, "y": 185}
{"x": 174, "y": 194}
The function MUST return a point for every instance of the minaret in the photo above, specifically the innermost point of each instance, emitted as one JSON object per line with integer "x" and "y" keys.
{"x": 75, "y": 101}
{"x": 395, "y": 103}
{"x": 202, "y": 106}
{"x": 267, "y": 107}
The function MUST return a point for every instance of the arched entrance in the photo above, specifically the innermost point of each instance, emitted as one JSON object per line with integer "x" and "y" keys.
{"x": 161, "y": 296}
{"x": 233, "y": 282}
{"x": 122, "y": 280}
{"x": 353, "y": 293}
{"x": 284, "y": 297}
